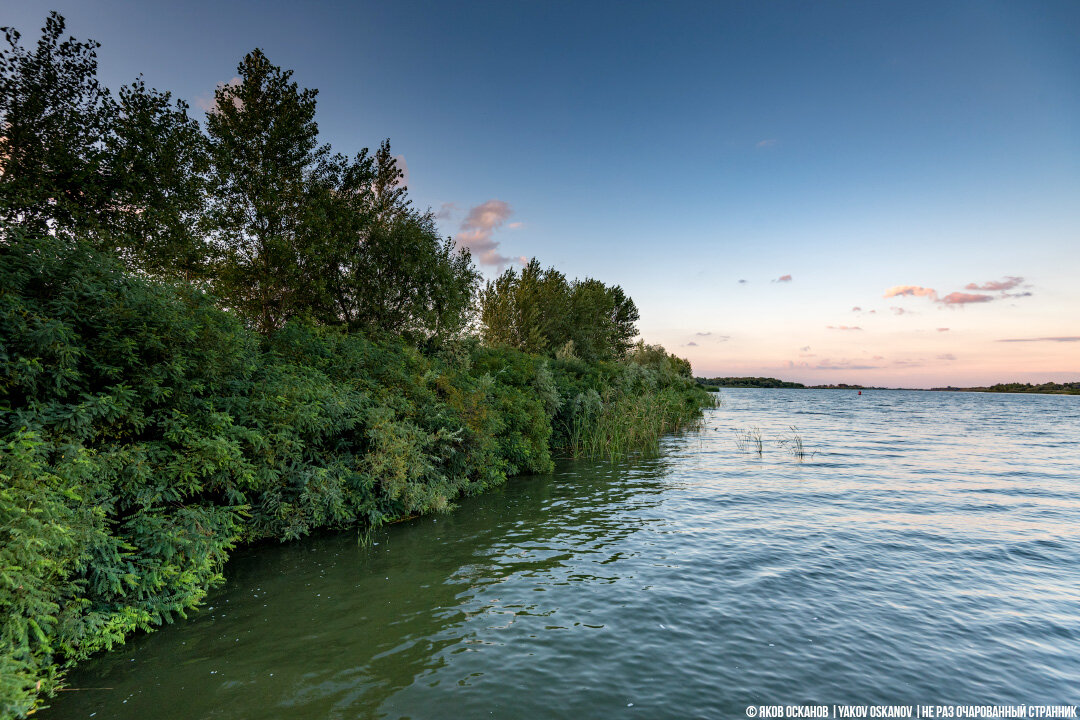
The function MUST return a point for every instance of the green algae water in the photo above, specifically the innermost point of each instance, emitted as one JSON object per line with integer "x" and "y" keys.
{"x": 926, "y": 550}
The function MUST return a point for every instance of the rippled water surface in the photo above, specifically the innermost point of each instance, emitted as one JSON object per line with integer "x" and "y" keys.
{"x": 929, "y": 552}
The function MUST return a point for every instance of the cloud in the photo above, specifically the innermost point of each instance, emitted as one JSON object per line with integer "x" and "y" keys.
{"x": 959, "y": 298}
{"x": 767, "y": 143}
{"x": 955, "y": 299}
{"x": 843, "y": 327}
{"x": 946, "y": 356}
{"x": 690, "y": 344}
{"x": 1069, "y": 338}
{"x": 446, "y": 210}
{"x": 403, "y": 166}
{"x": 477, "y": 230}
{"x": 856, "y": 309}
{"x": 208, "y": 103}
{"x": 943, "y": 329}
{"x": 742, "y": 282}
{"x": 805, "y": 348}
{"x": 913, "y": 290}
{"x": 783, "y": 278}
{"x": 515, "y": 225}
{"x": 1008, "y": 283}
{"x": 703, "y": 334}
{"x": 899, "y": 310}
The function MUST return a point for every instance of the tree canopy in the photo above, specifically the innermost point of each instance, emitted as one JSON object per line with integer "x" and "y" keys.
{"x": 541, "y": 311}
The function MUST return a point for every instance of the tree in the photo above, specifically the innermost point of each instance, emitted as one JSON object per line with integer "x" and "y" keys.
{"x": 56, "y": 175}
{"x": 123, "y": 176}
{"x": 268, "y": 175}
{"x": 160, "y": 162}
{"x": 540, "y": 311}
{"x": 403, "y": 278}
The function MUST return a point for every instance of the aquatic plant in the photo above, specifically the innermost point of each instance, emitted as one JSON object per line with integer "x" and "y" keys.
{"x": 749, "y": 439}
{"x": 793, "y": 443}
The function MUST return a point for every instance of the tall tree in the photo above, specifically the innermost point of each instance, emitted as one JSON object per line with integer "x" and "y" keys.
{"x": 160, "y": 162}
{"x": 55, "y": 172}
{"x": 122, "y": 175}
{"x": 267, "y": 167}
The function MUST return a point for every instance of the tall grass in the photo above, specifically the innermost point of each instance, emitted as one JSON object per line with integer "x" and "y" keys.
{"x": 793, "y": 443}
{"x": 633, "y": 424}
{"x": 749, "y": 439}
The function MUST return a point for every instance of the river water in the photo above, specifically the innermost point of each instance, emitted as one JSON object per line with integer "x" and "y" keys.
{"x": 926, "y": 549}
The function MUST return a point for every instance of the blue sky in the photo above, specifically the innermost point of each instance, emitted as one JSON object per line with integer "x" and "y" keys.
{"x": 678, "y": 148}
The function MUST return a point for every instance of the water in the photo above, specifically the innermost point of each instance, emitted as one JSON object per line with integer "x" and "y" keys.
{"x": 928, "y": 553}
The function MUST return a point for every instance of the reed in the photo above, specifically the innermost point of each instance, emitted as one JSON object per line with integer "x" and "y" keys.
{"x": 633, "y": 424}
{"x": 793, "y": 443}
{"x": 749, "y": 439}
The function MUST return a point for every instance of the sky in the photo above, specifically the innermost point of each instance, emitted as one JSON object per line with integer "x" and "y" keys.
{"x": 882, "y": 193}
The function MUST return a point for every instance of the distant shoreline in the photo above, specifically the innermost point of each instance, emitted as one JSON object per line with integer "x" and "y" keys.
{"x": 1052, "y": 388}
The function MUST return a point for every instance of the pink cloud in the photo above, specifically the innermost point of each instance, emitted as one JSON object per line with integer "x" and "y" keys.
{"x": 959, "y": 298}
{"x": 1070, "y": 338}
{"x": 477, "y": 230}
{"x": 843, "y": 327}
{"x": 1008, "y": 283}
{"x": 946, "y": 356}
{"x": 856, "y": 309}
{"x": 783, "y": 278}
{"x": 943, "y": 329}
{"x": 914, "y": 290}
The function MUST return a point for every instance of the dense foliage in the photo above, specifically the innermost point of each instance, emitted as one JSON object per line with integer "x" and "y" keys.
{"x": 541, "y": 311}
{"x": 209, "y": 339}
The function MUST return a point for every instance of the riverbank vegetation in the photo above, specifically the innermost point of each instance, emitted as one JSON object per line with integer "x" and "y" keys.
{"x": 1049, "y": 388}
{"x": 747, "y": 382}
{"x": 221, "y": 332}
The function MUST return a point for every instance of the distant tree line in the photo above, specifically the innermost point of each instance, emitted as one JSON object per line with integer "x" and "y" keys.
{"x": 1049, "y": 388}
{"x": 748, "y": 382}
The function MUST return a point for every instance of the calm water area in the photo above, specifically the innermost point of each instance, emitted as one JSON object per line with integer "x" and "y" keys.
{"x": 925, "y": 550}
